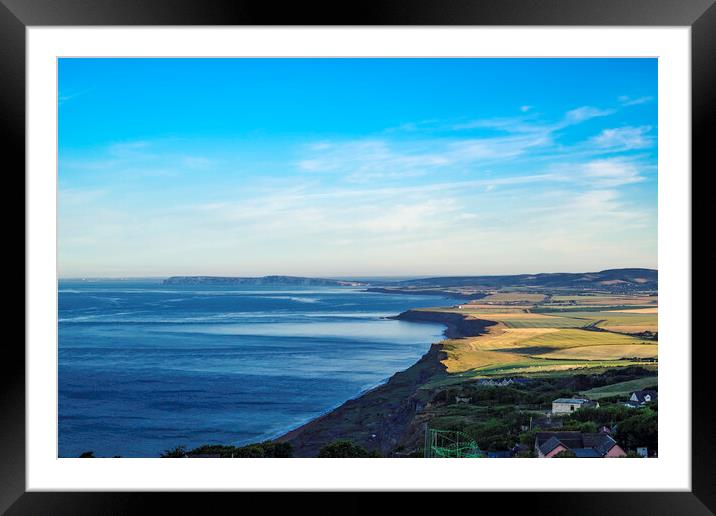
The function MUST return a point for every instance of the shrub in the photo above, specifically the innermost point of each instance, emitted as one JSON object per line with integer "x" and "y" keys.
{"x": 173, "y": 453}
{"x": 270, "y": 449}
{"x": 344, "y": 449}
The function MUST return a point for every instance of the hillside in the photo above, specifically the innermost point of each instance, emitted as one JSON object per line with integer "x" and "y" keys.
{"x": 612, "y": 280}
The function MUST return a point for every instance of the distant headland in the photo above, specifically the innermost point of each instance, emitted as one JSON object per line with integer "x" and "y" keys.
{"x": 263, "y": 280}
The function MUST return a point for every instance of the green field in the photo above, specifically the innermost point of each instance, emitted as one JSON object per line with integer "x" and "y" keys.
{"x": 621, "y": 389}
{"x": 548, "y": 322}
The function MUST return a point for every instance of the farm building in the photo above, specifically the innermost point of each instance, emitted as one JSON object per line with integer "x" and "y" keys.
{"x": 567, "y": 405}
{"x": 641, "y": 398}
{"x": 599, "y": 445}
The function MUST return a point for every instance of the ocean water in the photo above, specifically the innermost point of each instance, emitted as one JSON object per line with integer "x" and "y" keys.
{"x": 144, "y": 367}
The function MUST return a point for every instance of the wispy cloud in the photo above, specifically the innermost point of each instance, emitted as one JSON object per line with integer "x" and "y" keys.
{"x": 625, "y": 100}
{"x": 438, "y": 194}
{"x": 584, "y": 113}
{"x": 365, "y": 160}
{"x": 624, "y": 138}
{"x": 65, "y": 96}
{"x": 612, "y": 173}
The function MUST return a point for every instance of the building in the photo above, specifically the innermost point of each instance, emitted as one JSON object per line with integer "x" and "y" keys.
{"x": 568, "y": 405}
{"x": 585, "y": 446}
{"x": 504, "y": 382}
{"x": 641, "y": 398}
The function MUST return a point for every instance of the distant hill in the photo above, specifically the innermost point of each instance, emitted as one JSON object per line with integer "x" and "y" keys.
{"x": 262, "y": 280}
{"x": 611, "y": 279}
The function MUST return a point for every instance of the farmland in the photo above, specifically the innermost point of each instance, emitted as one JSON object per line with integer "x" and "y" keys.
{"x": 503, "y": 297}
{"x": 531, "y": 336}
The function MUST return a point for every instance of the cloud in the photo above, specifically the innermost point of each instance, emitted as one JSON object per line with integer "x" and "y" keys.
{"x": 369, "y": 160}
{"x": 64, "y": 97}
{"x": 625, "y": 100}
{"x": 610, "y": 173}
{"x": 427, "y": 196}
{"x": 513, "y": 125}
{"x": 624, "y": 138}
{"x": 585, "y": 113}
{"x": 196, "y": 161}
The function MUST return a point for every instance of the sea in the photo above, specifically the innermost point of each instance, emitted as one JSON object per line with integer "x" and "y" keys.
{"x": 144, "y": 367}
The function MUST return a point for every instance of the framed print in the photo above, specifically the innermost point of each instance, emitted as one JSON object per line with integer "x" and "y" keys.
{"x": 418, "y": 232}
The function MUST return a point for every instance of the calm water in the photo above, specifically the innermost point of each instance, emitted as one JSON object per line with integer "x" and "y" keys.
{"x": 144, "y": 367}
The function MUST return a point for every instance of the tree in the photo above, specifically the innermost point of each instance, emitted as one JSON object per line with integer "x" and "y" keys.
{"x": 344, "y": 449}
{"x": 589, "y": 427}
{"x": 528, "y": 438}
{"x": 87, "y": 455}
{"x": 172, "y": 453}
{"x": 641, "y": 429}
{"x": 565, "y": 454}
{"x": 257, "y": 450}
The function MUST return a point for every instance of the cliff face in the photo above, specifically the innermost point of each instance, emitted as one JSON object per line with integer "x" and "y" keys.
{"x": 383, "y": 418}
{"x": 377, "y": 419}
{"x": 458, "y": 325}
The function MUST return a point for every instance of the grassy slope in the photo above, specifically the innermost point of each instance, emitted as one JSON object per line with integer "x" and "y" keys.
{"x": 619, "y": 389}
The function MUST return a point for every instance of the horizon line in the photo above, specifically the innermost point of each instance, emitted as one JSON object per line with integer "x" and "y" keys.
{"x": 348, "y": 276}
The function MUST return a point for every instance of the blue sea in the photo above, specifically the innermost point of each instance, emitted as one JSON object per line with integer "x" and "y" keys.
{"x": 144, "y": 367}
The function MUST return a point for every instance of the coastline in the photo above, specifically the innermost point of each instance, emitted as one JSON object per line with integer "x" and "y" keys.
{"x": 386, "y": 416}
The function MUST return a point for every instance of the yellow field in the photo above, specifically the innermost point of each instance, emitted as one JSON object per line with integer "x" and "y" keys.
{"x": 606, "y": 352}
{"x": 497, "y": 316}
{"x": 633, "y": 329}
{"x": 527, "y": 343}
{"x": 607, "y": 300}
{"x": 622, "y": 321}
{"x": 653, "y": 310}
{"x": 476, "y": 307}
{"x": 508, "y": 297}
{"x": 570, "y": 338}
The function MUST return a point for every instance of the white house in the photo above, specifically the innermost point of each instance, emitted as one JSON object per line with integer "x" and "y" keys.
{"x": 568, "y": 405}
{"x": 641, "y": 398}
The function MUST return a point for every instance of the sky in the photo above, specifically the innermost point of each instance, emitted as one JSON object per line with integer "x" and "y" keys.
{"x": 356, "y": 167}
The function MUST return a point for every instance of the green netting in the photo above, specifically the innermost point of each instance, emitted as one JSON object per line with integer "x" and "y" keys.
{"x": 450, "y": 444}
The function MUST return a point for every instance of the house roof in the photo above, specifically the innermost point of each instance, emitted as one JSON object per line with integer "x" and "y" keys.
{"x": 550, "y": 445}
{"x": 641, "y": 395}
{"x": 573, "y": 401}
{"x": 587, "y": 453}
{"x": 600, "y": 443}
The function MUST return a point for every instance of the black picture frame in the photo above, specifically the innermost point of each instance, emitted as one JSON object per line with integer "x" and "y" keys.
{"x": 17, "y": 15}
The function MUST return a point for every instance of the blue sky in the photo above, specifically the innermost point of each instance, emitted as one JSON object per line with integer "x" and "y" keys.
{"x": 340, "y": 167}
